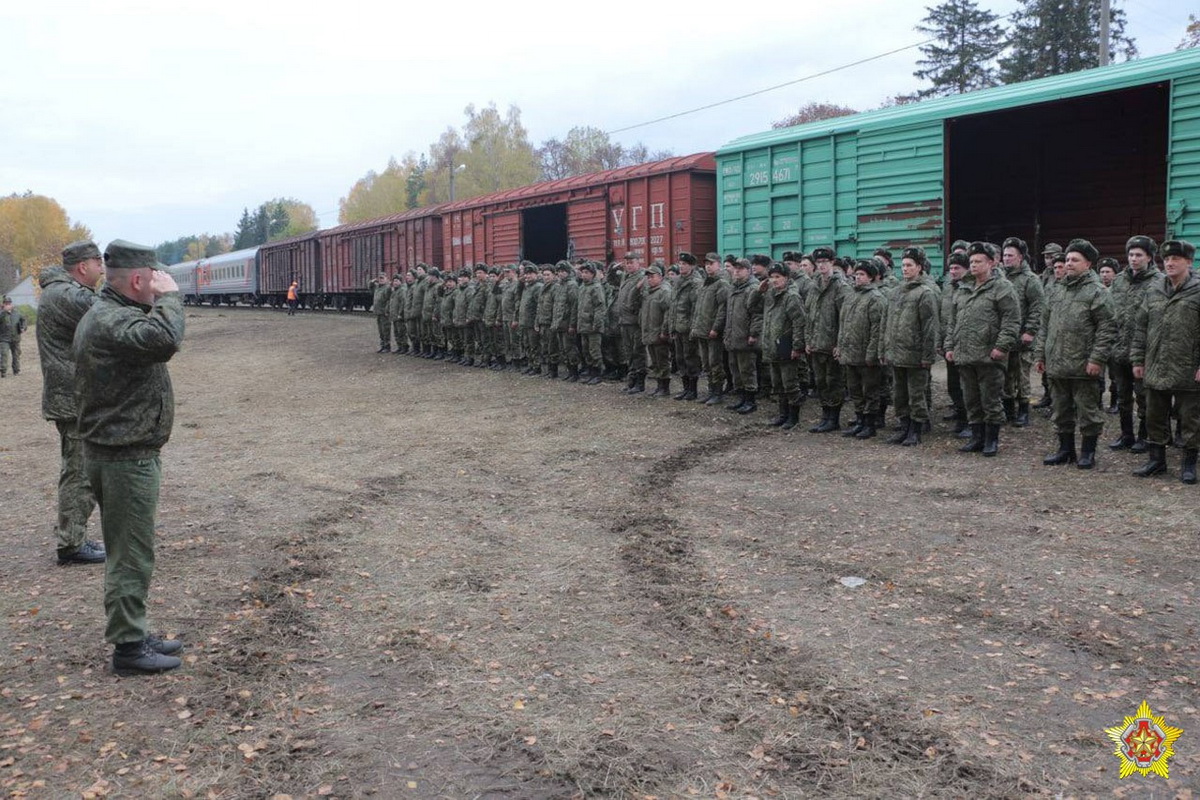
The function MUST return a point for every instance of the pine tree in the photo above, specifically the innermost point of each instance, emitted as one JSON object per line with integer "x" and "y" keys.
{"x": 1191, "y": 36}
{"x": 244, "y": 236}
{"x": 1055, "y": 37}
{"x": 962, "y": 58}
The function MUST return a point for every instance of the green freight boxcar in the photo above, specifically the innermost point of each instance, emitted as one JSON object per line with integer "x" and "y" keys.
{"x": 1103, "y": 154}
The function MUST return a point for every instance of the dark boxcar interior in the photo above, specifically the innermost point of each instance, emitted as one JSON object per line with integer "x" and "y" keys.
{"x": 544, "y": 239}
{"x": 1092, "y": 167}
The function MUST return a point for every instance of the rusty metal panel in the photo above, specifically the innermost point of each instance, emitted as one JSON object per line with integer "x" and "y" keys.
{"x": 296, "y": 258}
{"x": 503, "y": 238}
{"x": 587, "y": 229}
{"x": 901, "y": 189}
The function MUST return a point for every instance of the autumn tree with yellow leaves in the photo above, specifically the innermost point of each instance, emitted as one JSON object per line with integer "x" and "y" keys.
{"x": 33, "y": 231}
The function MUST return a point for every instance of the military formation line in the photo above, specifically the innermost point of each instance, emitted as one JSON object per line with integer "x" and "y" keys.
{"x": 848, "y": 331}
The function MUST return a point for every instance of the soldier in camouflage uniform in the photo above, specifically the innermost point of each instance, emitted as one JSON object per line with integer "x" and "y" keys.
{"x": 1073, "y": 346}
{"x": 655, "y": 325}
{"x": 545, "y": 321}
{"x": 1128, "y": 292}
{"x": 491, "y": 329}
{"x": 413, "y": 301}
{"x": 629, "y": 308}
{"x": 450, "y": 339}
{"x": 987, "y": 326}
{"x": 379, "y": 307}
{"x": 396, "y": 313}
{"x": 860, "y": 347}
{"x": 126, "y": 410}
{"x": 1166, "y": 356}
{"x": 952, "y": 291}
{"x": 743, "y": 330}
{"x": 510, "y": 307}
{"x": 911, "y": 339}
{"x": 565, "y": 302}
{"x": 822, "y": 321}
{"x": 783, "y": 343}
{"x": 683, "y": 309}
{"x": 708, "y": 326}
{"x": 67, "y": 294}
{"x": 431, "y": 331}
{"x": 1050, "y": 253}
{"x": 591, "y": 317}
{"x": 1031, "y": 297}
{"x": 527, "y": 315}
{"x": 477, "y": 292}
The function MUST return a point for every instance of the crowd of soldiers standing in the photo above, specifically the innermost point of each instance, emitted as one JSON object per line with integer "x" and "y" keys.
{"x": 847, "y": 331}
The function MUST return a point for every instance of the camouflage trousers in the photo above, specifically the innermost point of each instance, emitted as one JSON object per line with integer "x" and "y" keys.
{"x": 400, "y": 332}
{"x": 568, "y": 347}
{"x": 513, "y": 346}
{"x": 1076, "y": 404}
{"x": 550, "y": 351}
{"x": 1158, "y": 416}
{"x": 829, "y": 380}
{"x": 532, "y": 342}
{"x": 864, "y": 383}
{"x": 687, "y": 355}
{"x": 592, "y": 352}
{"x": 1016, "y": 375}
{"x": 743, "y": 364}
{"x": 75, "y": 499}
{"x": 785, "y": 377}
{"x": 712, "y": 360}
{"x": 954, "y": 387}
{"x": 385, "y": 330}
{"x": 659, "y": 356}
{"x": 6, "y": 351}
{"x": 127, "y": 492}
{"x": 983, "y": 391}
{"x": 1129, "y": 390}
{"x": 909, "y": 385}
{"x": 632, "y": 349}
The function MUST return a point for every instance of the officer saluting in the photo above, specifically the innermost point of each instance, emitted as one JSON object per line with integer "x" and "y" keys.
{"x": 126, "y": 409}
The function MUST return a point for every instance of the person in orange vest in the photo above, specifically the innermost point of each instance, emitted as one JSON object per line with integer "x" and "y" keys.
{"x": 293, "y": 298}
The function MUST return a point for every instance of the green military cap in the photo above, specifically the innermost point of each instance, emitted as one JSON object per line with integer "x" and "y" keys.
{"x": 778, "y": 269}
{"x": 6, "y": 300}
{"x": 789, "y": 255}
{"x": 1051, "y": 249}
{"x": 823, "y": 252}
{"x": 1058, "y": 258}
{"x": 1016, "y": 242}
{"x": 1110, "y": 262}
{"x": 980, "y": 249}
{"x": 121, "y": 254}
{"x": 712, "y": 257}
{"x": 867, "y": 265}
{"x": 687, "y": 258}
{"x": 917, "y": 254}
{"x": 530, "y": 269}
{"x": 79, "y": 251}
{"x": 760, "y": 260}
{"x": 1179, "y": 247}
{"x": 562, "y": 264}
{"x": 433, "y": 272}
{"x": 957, "y": 259}
{"x": 673, "y": 269}
{"x": 741, "y": 263}
{"x": 1085, "y": 249}
{"x": 493, "y": 271}
{"x": 1142, "y": 242}
{"x": 730, "y": 258}
{"x": 654, "y": 269}
{"x": 959, "y": 244}
{"x": 590, "y": 266}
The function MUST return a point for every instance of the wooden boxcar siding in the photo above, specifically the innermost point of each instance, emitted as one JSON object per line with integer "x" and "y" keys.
{"x": 1183, "y": 160}
{"x": 587, "y": 228}
{"x": 279, "y": 263}
{"x": 503, "y": 238}
{"x": 901, "y": 190}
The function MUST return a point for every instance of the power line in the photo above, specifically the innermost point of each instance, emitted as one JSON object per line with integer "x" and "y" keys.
{"x": 771, "y": 88}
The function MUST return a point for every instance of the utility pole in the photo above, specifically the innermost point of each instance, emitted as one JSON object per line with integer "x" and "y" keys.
{"x": 1104, "y": 14}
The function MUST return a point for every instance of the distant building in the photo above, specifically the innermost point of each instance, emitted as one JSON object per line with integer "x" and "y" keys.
{"x": 25, "y": 293}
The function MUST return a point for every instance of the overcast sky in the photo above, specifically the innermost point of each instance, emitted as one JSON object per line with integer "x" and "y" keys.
{"x": 154, "y": 120}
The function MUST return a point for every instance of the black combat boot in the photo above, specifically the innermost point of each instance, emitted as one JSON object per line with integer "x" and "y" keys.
{"x": 1022, "y": 419}
{"x": 552, "y": 372}
{"x": 991, "y": 439}
{"x": 663, "y": 389}
{"x": 573, "y": 377}
{"x": 817, "y": 428}
{"x": 782, "y": 416}
{"x": 630, "y": 383}
{"x": 833, "y": 422}
{"x": 976, "y": 442}
{"x": 712, "y": 392}
{"x": 639, "y": 384}
{"x": 1140, "y": 445}
{"x": 853, "y": 430}
{"x": 1157, "y": 462}
{"x": 881, "y": 417}
{"x": 1188, "y": 473}
{"x": 871, "y": 425}
{"x": 961, "y": 429}
{"x": 793, "y": 417}
{"x": 1065, "y": 454}
{"x": 749, "y": 406}
{"x": 914, "y": 434}
{"x": 1178, "y": 440}
{"x": 1126, "y": 439}
{"x": 717, "y": 396}
{"x": 139, "y": 658}
{"x": 906, "y": 424}
{"x": 1010, "y": 410}
{"x": 686, "y": 381}
{"x": 1087, "y": 452}
{"x": 739, "y": 402}
{"x": 693, "y": 388}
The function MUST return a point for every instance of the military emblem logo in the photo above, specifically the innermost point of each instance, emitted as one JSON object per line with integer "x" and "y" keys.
{"x": 1144, "y": 743}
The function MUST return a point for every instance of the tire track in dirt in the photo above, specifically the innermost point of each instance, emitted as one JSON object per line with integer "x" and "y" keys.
{"x": 661, "y": 559}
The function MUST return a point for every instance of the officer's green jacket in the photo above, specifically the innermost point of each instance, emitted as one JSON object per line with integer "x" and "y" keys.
{"x": 946, "y": 310}
{"x": 460, "y": 303}
{"x": 379, "y": 304}
{"x": 783, "y": 324}
{"x": 510, "y": 301}
{"x": 491, "y": 306}
{"x": 1078, "y": 326}
{"x": 629, "y": 298}
{"x": 710, "y": 307}
{"x": 1031, "y": 296}
{"x": 803, "y": 283}
{"x": 1166, "y": 339}
{"x": 396, "y": 302}
{"x": 860, "y": 329}
{"x": 1128, "y": 293}
{"x": 446, "y": 304}
{"x": 591, "y": 308}
{"x": 743, "y": 316}
{"x": 912, "y": 332}
{"x": 823, "y": 312}
{"x": 414, "y": 299}
{"x": 477, "y": 302}
{"x": 683, "y": 303}
{"x": 11, "y": 325}
{"x": 545, "y": 311}
{"x": 62, "y": 304}
{"x": 565, "y": 300}
{"x": 988, "y": 318}
{"x": 527, "y": 314}
{"x": 121, "y": 347}
{"x": 655, "y": 320}
{"x": 952, "y": 305}
{"x": 432, "y": 303}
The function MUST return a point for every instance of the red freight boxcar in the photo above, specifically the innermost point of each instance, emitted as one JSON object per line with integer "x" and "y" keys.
{"x": 355, "y": 253}
{"x": 654, "y": 210}
{"x": 297, "y": 258}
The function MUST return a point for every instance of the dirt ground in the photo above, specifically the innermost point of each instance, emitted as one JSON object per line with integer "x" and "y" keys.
{"x": 402, "y": 578}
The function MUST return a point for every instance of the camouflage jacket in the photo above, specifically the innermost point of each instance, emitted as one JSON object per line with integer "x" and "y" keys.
{"x": 530, "y": 300}
{"x": 431, "y": 302}
{"x": 782, "y": 324}
{"x": 1129, "y": 291}
{"x": 477, "y": 303}
{"x": 510, "y": 301}
{"x": 1078, "y": 326}
{"x": 656, "y": 314}
{"x": 491, "y": 306}
{"x": 565, "y": 300}
{"x": 545, "y": 309}
{"x": 1166, "y": 339}
{"x": 743, "y": 316}
{"x": 396, "y": 302}
{"x": 629, "y": 298}
{"x": 379, "y": 304}
{"x": 823, "y": 313}
{"x": 445, "y": 307}
{"x": 414, "y": 299}
{"x": 710, "y": 307}
{"x": 911, "y": 333}
{"x": 860, "y": 327}
{"x": 1031, "y": 296}
{"x": 986, "y": 319}
{"x": 591, "y": 308}
{"x": 63, "y": 303}
{"x": 683, "y": 304}
{"x": 121, "y": 347}
{"x": 12, "y": 325}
